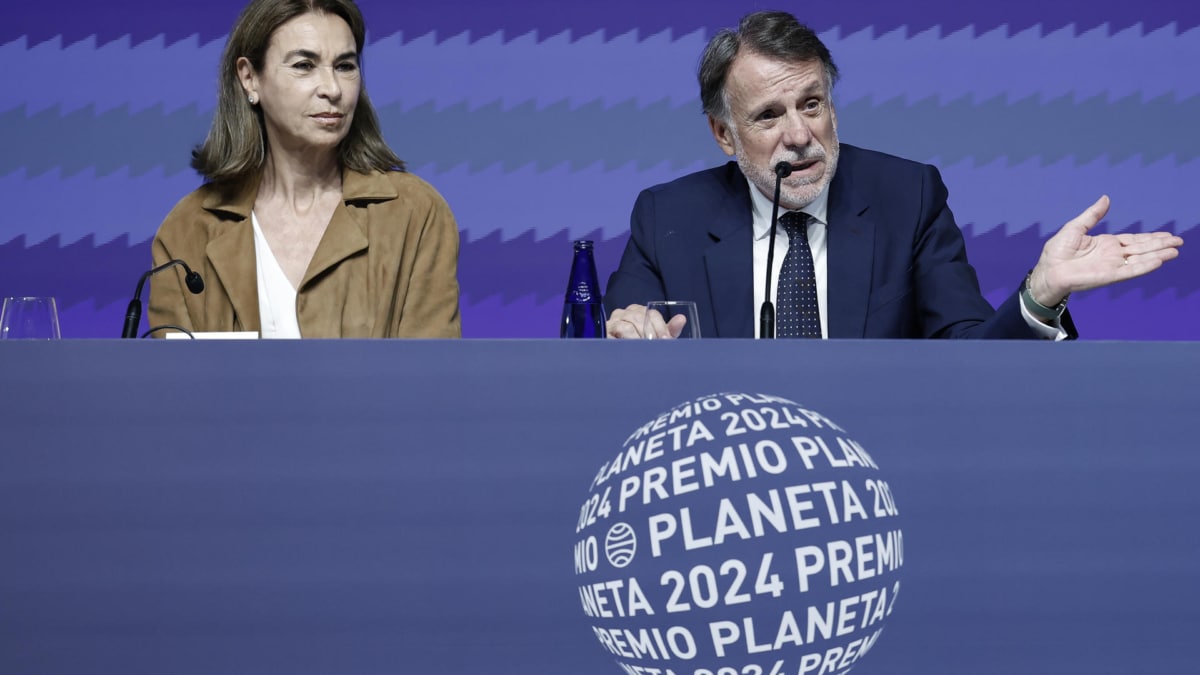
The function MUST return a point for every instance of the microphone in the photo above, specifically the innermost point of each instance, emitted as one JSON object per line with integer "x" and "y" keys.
{"x": 133, "y": 315}
{"x": 766, "y": 315}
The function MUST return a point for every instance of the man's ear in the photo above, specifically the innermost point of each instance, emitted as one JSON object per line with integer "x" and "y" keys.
{"x": 723, "y": 135}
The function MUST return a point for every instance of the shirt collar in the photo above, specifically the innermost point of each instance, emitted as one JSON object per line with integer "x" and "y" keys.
{"x": 238, "y": 199}
{"x": 761, "y": 205}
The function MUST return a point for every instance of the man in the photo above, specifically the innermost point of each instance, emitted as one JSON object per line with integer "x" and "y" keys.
{"x": 883, "y": 258}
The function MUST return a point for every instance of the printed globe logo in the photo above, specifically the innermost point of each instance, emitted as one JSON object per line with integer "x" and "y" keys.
{"x": 620, "y": 544}
{"x": 738, "y": 534}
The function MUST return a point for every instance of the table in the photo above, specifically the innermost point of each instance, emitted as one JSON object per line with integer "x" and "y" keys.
{"x": 389, "y": 506}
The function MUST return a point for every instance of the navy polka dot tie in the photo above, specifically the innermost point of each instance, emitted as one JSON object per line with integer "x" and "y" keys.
{"x": 799, "y": 315}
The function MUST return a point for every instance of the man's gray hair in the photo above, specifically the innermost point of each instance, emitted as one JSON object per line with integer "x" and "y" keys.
{"x": 773, "y": 34}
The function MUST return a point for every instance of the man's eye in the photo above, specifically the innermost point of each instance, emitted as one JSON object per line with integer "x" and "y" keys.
{"x": 347, "y": 67}
{"x": 303, "y": 65}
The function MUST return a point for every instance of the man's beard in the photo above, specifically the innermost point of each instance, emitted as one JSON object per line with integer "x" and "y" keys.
{"x": 791, "y": 197}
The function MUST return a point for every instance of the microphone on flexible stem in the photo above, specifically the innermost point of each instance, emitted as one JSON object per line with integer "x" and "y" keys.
{"x": 133, "y": 315}
{"x": 766, "y": 315}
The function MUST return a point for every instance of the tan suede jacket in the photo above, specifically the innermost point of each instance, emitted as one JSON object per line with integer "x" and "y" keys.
{"x": 386, "y": 266}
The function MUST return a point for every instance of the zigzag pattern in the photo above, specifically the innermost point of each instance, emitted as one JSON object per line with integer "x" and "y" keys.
{"x": 626, "y": 133}
{"x": 1000, "y": 64}
{"x": 49, "y": 74}
{"x": 510, "y": 203}
{"x": 540, "y": 124}
{"x": 1000, "y": 261}
{"x": 1027, "y": 129}
{"x": 513, "y": 203}
{"x": 1044, "y": 196}
{"x": 556, "y": 69}
{"x": 78, "y": 273}
{"x": 524, "y": 70}
{"x": 106, "y": 142}
{"x": 556, "y": 135}
{"x": 83, "y": 204}
{"x": 144, "y": 19}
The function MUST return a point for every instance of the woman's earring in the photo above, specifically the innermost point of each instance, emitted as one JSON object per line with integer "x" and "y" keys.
{"x": 253, "y": 99}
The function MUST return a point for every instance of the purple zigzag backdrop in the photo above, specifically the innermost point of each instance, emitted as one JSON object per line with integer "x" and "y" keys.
{"x": 540, "y": 122}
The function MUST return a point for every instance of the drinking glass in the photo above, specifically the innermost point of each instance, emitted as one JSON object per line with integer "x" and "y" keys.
{"x": 660, "y": 312}
{"x": 29, "y": 319}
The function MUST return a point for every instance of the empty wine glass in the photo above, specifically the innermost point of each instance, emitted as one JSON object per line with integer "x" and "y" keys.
{"x": 671, "y": 319}
{"x": 29, "y": 319}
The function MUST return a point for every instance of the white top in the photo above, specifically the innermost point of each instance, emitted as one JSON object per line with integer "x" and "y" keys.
{"x": 276, "y": 297}
{"x": 817, "y": 243}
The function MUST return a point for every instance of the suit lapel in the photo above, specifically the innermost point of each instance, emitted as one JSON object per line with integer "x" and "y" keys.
{"x": 849, "y": 258}
{"x": 232, "y": 251}
{"x": 344, "y": 236}
{"x": 729, "y": 262}
{"x": 232, "y": 256}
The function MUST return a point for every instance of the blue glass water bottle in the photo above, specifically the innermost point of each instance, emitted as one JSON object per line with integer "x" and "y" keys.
{"x": 583, "y": 312}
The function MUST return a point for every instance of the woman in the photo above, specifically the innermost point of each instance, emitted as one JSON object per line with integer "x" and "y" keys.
{"x": 307, "y": 224}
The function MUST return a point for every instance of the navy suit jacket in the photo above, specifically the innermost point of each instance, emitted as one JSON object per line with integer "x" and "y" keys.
{"x": 897, "y": 265}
